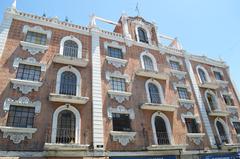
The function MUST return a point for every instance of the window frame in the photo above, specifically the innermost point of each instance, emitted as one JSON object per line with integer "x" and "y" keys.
{"x": 76, "y": 40}
{"x": 125, "y": 125}
{"x": 36, "y": 38}
{"x": 178, "y": 68}
{"x": 121, "y": 82}
{"x": 111, "y": 48}
{"x": 192, "y": 128}
{"x": 185, "y": 93}
{"x": 27, "y": 72}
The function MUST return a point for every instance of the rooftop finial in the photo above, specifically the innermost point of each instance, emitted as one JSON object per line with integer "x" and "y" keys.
{"x": 14, "y": 4}
{"x": 137, "y": 10}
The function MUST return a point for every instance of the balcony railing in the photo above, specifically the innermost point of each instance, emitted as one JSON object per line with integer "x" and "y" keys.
{"x": 162, "y": 138}
{"x": 63, "y": 136}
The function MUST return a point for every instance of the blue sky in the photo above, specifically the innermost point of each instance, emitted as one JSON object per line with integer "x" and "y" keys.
{"x": 204, "y": 27}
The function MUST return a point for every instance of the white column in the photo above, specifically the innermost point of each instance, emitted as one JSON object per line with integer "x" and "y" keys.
{"x": 4, "y": 28}
{"x": 201, "y": 105}
{"x": 98, "y": 136}
{"x": 125, "y": 26}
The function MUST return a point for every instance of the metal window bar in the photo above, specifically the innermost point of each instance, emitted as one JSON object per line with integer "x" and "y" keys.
{"x": 36, "y": 38}
{"x": 65, "y": 135}
{"x": 115, "y": 52}
{"x": 162, "y": 138}
{"x": 68, "y": 88}
{"x": 70, "y": 51}
{"x": 183, "y": 93}
{"x": 28, "y": 72}
{"x": 118, "y": 84}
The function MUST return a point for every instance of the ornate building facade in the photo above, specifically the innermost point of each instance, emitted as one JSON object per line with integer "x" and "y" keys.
{"x": 82, "y": 92}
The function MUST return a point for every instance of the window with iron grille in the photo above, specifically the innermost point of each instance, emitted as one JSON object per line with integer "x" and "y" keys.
{"x": 222, "y": 133}
{"x": 237, "y": 127}
{"x": 117, "y": 84}
{"x": 68, "y": 84}
{"x": 148, "y": 63}
{"x": 28, "y": 72}
{"x": 192, "y": 125}
{"x": 154, "y": 93}
{"x": 19, "y": 116}
{"x": 115, "y": 52}
{"x": 161, "y": 131}
{"x": 70, "y": 49}
{"x": 175, "y": 65}
{"x": 142, "y": 35}
{"x": 202, "y": 75}
{"x": 182, "y": 93}
{"x": 121, "y": 122}
{"x": 228, "y": 100}
{"x": 218, "y": 75}
{"x": 36, "y": 38}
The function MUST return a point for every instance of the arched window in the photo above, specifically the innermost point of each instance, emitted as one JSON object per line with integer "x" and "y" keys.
{"x": 148, "y": 63}
{"x": 70, "y": 49}
{"x": 202, "y": 75}
{"x": 211, "y": 101}
{"x": 66, "y": 124}
{"x": 142, "y": 35}
{"x": 161, "y": 131}
{"x": 222, "y": 132}
{"x": 154, "y": 93}
{"x": 68, "y": 84}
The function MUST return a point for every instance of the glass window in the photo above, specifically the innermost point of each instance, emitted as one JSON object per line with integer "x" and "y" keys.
{"x": 28, "y": 72}
{"x": 237, "y": 127}
{"x": 175, "y": 65}
{"x": 121, "y": 122}
{"x": 19, "y": 116}
{"x": 182, "y": 93}
{"x": 228, "y": 100}
{"x": 148, "y": 63}
{"x": 117, "y": 84}
{"x": 115, "y": 52}
{"x": 161, "y": 131}
{"x": 70, "y": 48}
{"x": 142, "y": 35}
{"x": 212, "y": 101}
{"x": 68, "y": 84}
{"x": 222, "y": 132}
{"x": 218, "y": 75}
{"x": 202, "y": 75}
{"x": 36, "y": 38}
{"x": 154, "y": 93}
{"x": 192, "y": 125}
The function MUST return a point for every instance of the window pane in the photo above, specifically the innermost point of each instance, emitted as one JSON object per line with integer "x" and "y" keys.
{"x": 202, "y": 75}
{"x": 192, "y": 125}
{"x": 70, "y": 49}
{"x": 121, "y": 122}
{"x": 117, "y": 84}
{"x": 174, "y": 65}
{"x": 36, "y": 38}
{"x": 218, "y": 75}
{"x": 115, "y": 52}
{"x": 28, "y": 72}
{"x": 68, "y": 84}
{"x": 148, "y": 63}
{"x": 154, "y": 93}
{"x": 182, "y": 93}
{"x": 237, "y": 127}
{"x": 142, "y": 35}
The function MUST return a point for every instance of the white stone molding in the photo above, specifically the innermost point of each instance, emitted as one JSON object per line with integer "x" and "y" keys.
{"x": 37, "y": 29}
{"x": 121, "y": 110}
{"x": 117, "y": 74}
{"x": 216, "y": 102}
{"x": 72, "y": 38}
{"x": 17, "y": 134}
{"x": 216, "y": 69}
{"x": 120, "y": 96}
{"x": 123, "y": 137}
{"x": 160, "y": 90}
{"x": 116, "y": 61}
{"x": 196, "y": 138}
{"x": 22, "y": 101}
{"x": 168, "y": 127}
{"x": 114, "y": 44}
{"x": 186, "y": 103}
{"x": 26, "y": 86}
{"x": 77, "y": 122}
{"x": 33, "y": 48}
{"x": 226, "y": 129}
{"x": 124, "y": 19}
{"x": 205, "y": 71}
{"x": 146, "y": 52}
{"x": 73, "y": 70}
{"x": 233, "y": 110}
{"x": 175, "y": 59}
{"x": 179, "y": 74}
{"x": 28, "y": 61}
{"x": 181, "y": 85}
{"x": 147, "y": 28}
{"x": 190, "y": 115}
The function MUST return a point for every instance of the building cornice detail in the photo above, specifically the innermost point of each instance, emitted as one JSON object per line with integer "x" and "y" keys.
{"x": 33, "y": 48}
{"x": 120, "y": 96}
{"x": 26, "y": 86}
{"x": 116, "y": 61}
{"x": 28, "y": 61}
{"x": 121, "y": 110}
{"x": 123, "y": 137}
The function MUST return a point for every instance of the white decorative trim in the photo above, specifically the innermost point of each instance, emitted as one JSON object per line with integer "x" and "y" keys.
{"x": 206, "y": 74}
{"x": 121, "y": 110}
{"x": 146, "y": 53}
{"x": 218, "y": 108}
{"x": 22, "y": 101}
{"x": 159, "y": 107}
{"x": 232, "y": 109}
{"x": 175, "y": 59}
{"x": 226, "y": 129}
{"x": 73, "y": 70}
{"x": 117, "y": 74}
{"x": 179, "y": 74}
{"x": 160, "y": 90}
{"x": 190, "y": 115}
{"x": 33, "y": 48}
{"x": 117, "y": 62}
{"x": 26, "y": 86}
{"x": 181, "y": 85}
{"x": 114, "y": 44}
{"x": 216, "y": 69}
{"x": 68, "y": 98}
{"x": 186, "y": 103}
{"x": 77, "y": 122}
{"x": 123, "y": 137}
{"x": 67, "y": 60}
{"x": 28, "y": 61}
{"x": 37, "y": 29}
{"x": 17, "y": 134}
{"x": 196, "y": 138}
{"x": 168, "y": 127}
{"x": 120, "y": 96}
{"x": 72, "y": 38}
{"x": 234, "y": 118}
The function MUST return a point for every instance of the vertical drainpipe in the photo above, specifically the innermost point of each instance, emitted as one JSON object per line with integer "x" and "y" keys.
{"x": 200, "y": 102}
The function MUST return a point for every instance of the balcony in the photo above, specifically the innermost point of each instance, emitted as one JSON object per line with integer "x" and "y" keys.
{"x": 209, "y": 85}
{"x": 159, "y": 107}
{"x": 64, "y": 139}
{"x": 70, "y": 57}
{"x": 160, "y": 74}
{"x": 67, "y": 94}
{"x": 218, "y": 113}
